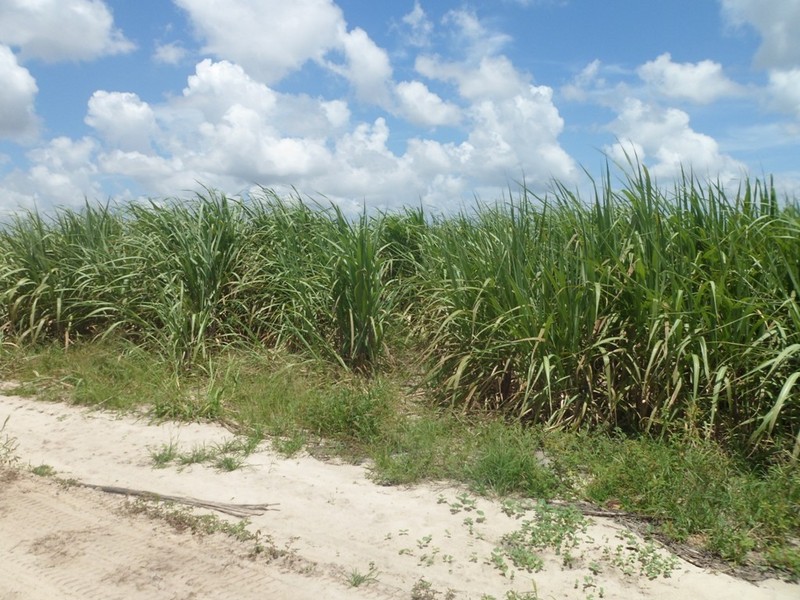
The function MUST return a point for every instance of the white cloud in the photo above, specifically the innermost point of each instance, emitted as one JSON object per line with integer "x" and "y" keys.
{"x": 578, "y": 89}
{"x": 57, "y": 30}
{"x": 513, "y": 126}
{"x": 122, "y": 120}
{"x": 17, "y": 93}
{"x": 493, "y": 77}
{"x": 701, "y": 82}
{"x": 336, "y": 111}
{"x": 62, "y": 172}
{"x": 367, "y": 67}
{"x": 784, "y": 90}
{"x": 664, "y": 139}
{"x": 273, "y": 38}
{"x": 230, "y": 129}
{"x": 473, "y": 36}
{"x": 225, "y": 130}
{"x": 269, "y": 38}
{"x": 171, "y": 53}
{"x": 420, "y": 27}
{"x": 422, "y": 107}
{"x": 519, "y": 135}
{"x": 245, "y": 145}
{"x": 777, "y": 21}
{"x": 215, "y": 86}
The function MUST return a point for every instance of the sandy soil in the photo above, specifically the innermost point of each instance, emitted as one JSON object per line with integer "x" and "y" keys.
{"x": 67, "y": 542}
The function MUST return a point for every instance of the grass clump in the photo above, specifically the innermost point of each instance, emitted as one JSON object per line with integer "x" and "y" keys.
{"x": 693, "y": 489}
{"x": 508, "y": 459}
{"x": 227, "y": 456}
{"x": 357, "y": 578}
{"x": 43, "y": 470}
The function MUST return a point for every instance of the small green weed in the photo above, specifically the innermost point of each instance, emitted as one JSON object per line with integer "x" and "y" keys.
{"x": 786, "y": 558}
{"x": 631, "y": 557}
{"x": 43, "y": 471}
{"x": 225, "y": 456}
{"x": 347, "y": 413}
{"x": 357, "y": 578}
{"x": 186, "y": 408}
{"x": 555, "y": 527}
{"x": 423, "y": 590}
{"x": 506, "y": 462}
{"x": 289, "y": 446}
{"x": 228, "y": 462}
{"x": 498, "y": 559}
{"x": 164, "y": 455}
{"x": 463, "y": 502}
{"x": 198, "y": 454}
{"x": 516, "y": 508}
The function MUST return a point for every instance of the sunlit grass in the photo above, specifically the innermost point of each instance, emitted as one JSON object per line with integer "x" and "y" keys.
{"x": 635, "y": 309}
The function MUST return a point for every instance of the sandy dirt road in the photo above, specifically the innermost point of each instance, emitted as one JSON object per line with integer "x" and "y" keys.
{"x": 69, "y": 542}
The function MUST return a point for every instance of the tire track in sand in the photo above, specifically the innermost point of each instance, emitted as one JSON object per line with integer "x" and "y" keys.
{"x": 77, "y": 544}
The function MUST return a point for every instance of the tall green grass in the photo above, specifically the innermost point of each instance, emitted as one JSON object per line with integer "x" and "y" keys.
{"x": 638, "y": 309}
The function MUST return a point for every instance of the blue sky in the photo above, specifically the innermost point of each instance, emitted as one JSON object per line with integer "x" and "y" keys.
{"x": 389, "y": 103}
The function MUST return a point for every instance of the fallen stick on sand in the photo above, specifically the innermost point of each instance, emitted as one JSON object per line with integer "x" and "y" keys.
{"x": 235, "y": 510}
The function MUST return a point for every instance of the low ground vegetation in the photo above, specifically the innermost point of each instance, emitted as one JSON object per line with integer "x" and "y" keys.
{"x": 638, "y": 349}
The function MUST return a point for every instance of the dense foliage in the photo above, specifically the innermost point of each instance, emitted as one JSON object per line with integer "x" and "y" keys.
{"x": 636, "y": 309}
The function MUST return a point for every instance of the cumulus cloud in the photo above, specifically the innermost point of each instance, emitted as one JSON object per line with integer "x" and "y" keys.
{"x": 269, "y": 38}
{"x": 56, "y": 30}
{"x": 225, "y": 130}
{"x": 784, "y": 90}
{"x": 62, "y": 172}
{"x": 215, "y": 86}
{"x": 513, "y": 125}
{"x": 665, "y": 140}
{"x": 273, "y": 38}
{"x": 366, "y": 67}
{"x": 230, "y": 128}
{"x": 17, "y": 93}
{"x": 520, "y": 135}
{"x": 701, "y": 82}
{"x": 493, "y": 77}
{"x": 121, "y": 119}
{"x": 422, "y": 107}
{"x": 777, "y": 23}
{"x": 231, "y": 131}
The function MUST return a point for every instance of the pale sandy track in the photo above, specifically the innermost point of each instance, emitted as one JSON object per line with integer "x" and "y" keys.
{"x": 75, "y": 543}
{"x": 58, "y": 542}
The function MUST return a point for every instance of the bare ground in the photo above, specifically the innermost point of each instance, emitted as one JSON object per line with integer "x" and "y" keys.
{"x": 325, "y": 524}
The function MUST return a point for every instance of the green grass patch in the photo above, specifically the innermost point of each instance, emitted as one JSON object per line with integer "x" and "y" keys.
{"x": 509, "y": 459}
{"x": 114, "y": 374}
